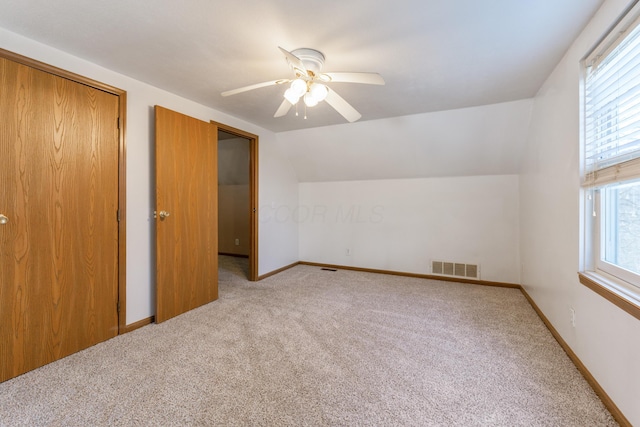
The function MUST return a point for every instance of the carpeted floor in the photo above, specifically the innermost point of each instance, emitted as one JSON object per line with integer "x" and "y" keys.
{"x": 309, "y": 347}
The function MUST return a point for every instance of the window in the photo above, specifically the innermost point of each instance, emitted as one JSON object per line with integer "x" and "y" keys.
{"x": 619, "y": 230}
{"x": 611, "y": 153}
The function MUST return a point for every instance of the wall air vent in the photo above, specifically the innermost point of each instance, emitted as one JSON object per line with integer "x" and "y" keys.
{"x": 455, "y": 269}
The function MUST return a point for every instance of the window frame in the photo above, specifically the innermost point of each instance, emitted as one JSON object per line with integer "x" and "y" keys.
{"x": 616, "y": 284}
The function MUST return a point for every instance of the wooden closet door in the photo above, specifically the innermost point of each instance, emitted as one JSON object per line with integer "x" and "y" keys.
{"x": 59, "y": 190}
{"x": 186, "y": 190}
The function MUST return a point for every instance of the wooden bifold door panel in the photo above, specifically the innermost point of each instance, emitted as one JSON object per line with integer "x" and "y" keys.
{"x": 186, "y": 213}
{"x": 59, "y": 177}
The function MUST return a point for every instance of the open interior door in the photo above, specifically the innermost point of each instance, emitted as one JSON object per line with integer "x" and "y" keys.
{"x": 186, "y": 213}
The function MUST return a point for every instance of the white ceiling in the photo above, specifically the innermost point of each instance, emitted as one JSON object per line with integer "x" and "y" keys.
{"x": 434, "y": 54}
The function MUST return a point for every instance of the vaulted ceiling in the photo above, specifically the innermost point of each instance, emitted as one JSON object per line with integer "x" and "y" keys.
{"x": 433, "y": 54}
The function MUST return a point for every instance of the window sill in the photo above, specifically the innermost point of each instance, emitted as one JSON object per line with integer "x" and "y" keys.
{"x": 613, "y": 291}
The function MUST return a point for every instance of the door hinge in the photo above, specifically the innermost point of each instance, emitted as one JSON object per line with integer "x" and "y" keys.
{"x": 118, "y": 307}
{"x": 118, "y": 123}
{"x": 118, "y": 215}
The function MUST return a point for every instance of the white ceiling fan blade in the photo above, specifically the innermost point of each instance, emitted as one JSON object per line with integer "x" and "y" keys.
{"x": 295, "y": 62}
{"x": 255, "y": 86}
{"x": 342, "y": 106}
{"x": 365, "y": 78}
{"x": 283, "y": 109}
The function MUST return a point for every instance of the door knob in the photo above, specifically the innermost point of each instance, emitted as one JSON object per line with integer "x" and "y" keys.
{"x": 3, "y": 219}
{"x": 163, "y": 214}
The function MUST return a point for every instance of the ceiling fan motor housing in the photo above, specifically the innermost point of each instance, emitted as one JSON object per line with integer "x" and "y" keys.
{"x": 312, "y": 59}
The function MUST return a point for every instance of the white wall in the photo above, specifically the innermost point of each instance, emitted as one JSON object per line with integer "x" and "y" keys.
{"x": 233, "y": 161}
{"x": 403, "y": 191}
{"x": 233, "y": 219}
{"x": 605, "y": 338}
{"x": 403, "y": 224}
{"x": 278, "y": 182}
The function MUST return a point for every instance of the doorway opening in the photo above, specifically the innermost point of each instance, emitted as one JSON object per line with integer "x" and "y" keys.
{"x": 238, "y": 196}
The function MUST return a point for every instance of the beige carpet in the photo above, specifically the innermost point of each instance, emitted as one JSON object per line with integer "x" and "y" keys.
{"x": 309, "y": 347}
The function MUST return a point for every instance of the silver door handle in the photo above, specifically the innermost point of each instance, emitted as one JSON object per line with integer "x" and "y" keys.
{"x": 163, "y": 214}
{"x": 3, "y": 219}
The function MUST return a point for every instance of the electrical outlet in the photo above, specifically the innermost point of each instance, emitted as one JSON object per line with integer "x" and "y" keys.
{"x": 573, "y": 316}
{"x": 237, "y": 242}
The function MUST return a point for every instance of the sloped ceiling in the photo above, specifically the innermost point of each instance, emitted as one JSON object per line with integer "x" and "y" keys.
{"x": 485, "y": 140}
{"x": 435, "y": 55}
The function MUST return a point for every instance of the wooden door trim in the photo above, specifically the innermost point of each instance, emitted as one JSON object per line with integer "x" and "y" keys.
{"x": 253, "y": 194}
{"x": 122, "y": 212}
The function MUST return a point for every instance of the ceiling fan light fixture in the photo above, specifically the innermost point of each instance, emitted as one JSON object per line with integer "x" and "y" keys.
{"x": 318, "y": 91}
{"x": 299, "y": 87}
{"x": 291, "y": 96}
{"x": 309, "y": 100}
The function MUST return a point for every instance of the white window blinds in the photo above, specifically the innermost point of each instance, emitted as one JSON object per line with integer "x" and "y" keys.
{"x": 612, "y": 107}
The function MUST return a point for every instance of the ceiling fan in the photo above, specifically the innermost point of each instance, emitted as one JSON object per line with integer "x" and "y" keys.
{"x": 311, "y": 85}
